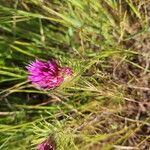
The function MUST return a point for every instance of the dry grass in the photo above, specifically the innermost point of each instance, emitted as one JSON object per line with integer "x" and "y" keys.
{"x": 106, "y": 103}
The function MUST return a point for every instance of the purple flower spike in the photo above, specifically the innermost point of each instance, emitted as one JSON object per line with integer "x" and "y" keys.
{"x": 45, "y": 146}
{"x": 47, "y": 75}
{"x": 48, "y": 144}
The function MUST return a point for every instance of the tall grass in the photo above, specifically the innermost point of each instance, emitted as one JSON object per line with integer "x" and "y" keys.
{"x": 93, "y": 109}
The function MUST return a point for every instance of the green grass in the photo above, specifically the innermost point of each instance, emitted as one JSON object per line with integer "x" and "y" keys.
{"x": 105, "y": 103}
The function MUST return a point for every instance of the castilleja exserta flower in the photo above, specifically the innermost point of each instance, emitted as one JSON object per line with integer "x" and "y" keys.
{"x": 48, "y": 144}
{"x": 47, "y": 74}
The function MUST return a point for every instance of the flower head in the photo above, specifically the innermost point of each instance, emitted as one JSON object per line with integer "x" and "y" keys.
{"x": 45, "y": 146}
{"x": 47, "y": 74}
{"x": 48, "y": 144}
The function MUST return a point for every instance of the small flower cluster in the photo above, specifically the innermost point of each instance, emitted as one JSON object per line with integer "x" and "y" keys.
{"x": 48, "y": 144}
{"x": 47, "y": 74}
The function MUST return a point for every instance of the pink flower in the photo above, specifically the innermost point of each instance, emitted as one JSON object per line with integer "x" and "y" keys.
{"x": 45, "y": 146}
{"x": 48, "y": 144}
{"x": 47, "y": 74}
